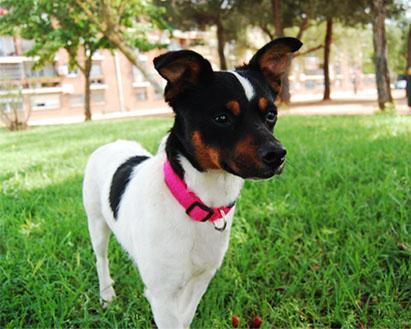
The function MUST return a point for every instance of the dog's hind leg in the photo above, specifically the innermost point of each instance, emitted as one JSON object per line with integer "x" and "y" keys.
{"x": 100, "y": 236}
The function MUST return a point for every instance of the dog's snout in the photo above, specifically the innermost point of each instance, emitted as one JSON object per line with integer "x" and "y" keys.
{"x": 272, "y": 154}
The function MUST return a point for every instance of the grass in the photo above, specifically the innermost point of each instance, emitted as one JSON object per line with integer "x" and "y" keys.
{"x": 327, "y": 244}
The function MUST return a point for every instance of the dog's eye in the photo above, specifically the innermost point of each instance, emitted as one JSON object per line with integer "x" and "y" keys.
{"x": 270, "y": 117}
{"x": 221, "y": 118}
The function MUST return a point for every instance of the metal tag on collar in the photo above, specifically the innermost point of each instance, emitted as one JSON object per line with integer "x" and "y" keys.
{"x": 222, "y": 228}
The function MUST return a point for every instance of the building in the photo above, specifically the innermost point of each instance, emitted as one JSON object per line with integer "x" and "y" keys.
{"x": 55, "y": 90}
{"x": 117, "y": 86}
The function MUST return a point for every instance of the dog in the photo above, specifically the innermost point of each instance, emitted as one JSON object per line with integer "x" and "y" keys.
{"x": 172, "y": 212}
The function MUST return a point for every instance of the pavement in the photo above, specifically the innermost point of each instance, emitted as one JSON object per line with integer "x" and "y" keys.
{"x": 342, "y": 103}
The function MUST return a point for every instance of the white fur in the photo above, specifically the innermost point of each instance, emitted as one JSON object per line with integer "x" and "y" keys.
{"x": 247, "y": 86}
{"x": 176, "y": 256}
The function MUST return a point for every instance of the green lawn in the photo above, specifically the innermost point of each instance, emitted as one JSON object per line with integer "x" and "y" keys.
{"x": 327, "y": 244}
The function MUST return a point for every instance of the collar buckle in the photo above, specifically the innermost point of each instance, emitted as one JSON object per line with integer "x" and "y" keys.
{"x": 203, "y": 207}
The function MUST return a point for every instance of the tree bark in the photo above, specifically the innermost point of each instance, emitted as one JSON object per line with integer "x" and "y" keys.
{"x": 278, "y": 26}
{"x": 221, "y": 44}
{"x": 409, "y": 50}
{"x": 380, "y": 55}
{"x": 284, "y": 94}
{"x": 326, "y": 66}
{"x": 87, "y": 102}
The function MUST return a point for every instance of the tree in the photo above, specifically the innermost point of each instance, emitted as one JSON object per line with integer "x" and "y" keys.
{"x": 277, "y": 15}
{"x": 55, "y": 25}
{"x": 380, "y": 53}
{"x": 408, "y": 49}
{"x": 326, "y": 64}
{"x": 375, "y": 12}
{"x": 66, "y": 24}
{"x": 126, "y": 23}
{"x": 222, "y": 14}
{"x": 12, "y": 112}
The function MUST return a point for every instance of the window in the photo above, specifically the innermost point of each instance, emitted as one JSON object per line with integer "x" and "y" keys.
{"x": 26, "y": 45}
{"x": 98, "y": 97}
{"x": 10, "y": 71}
{"x": 337, "y": 68}
{"x": 8, "y": 105}
{"x": 141, "y": 95}
{"x": 76, "y": 100}
{"x": 312, "y": 65}
{"x": 96, "y": 81}
{"x": 138, "y": 75}
{"x": 96, "y": 70}
{"x": 7, "y": 46}
{"x": 73, "y": 73}
{"x": 45, "y": 102}
{"x": 158, "y": 96}
{"x": 46, "y": 71}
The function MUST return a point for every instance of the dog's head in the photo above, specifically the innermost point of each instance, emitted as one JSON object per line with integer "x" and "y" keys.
{"x": 226, "y": 119}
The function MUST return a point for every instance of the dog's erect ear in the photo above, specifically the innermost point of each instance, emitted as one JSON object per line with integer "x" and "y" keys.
{"x": 183, "y": 69}
{"x": 273, "y": 60}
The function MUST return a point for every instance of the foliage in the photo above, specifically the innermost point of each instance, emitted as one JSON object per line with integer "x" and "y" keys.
{"x": 132, "y": 20}
{"x": 397, "y": 33}
{"x": 12, "y": 111}
{"x": 128, "y": 26}
{"x": 326, "y": 244}
{"x": 224, "y": 16}
{"x": 51, "y": 25}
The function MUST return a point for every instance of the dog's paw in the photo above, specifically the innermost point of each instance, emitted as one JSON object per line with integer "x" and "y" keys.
{"x": 107, "y": 296}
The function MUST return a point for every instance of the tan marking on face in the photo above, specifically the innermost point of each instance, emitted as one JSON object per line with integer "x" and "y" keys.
{"x": 262, "y": 104}
{"x": 207, "y": 156}
{"x": 234, "y": 107}
{"x": 247, "y": 152}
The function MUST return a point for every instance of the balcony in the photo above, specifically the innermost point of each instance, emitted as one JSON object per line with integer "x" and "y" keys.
{"x": 23, "y": 74}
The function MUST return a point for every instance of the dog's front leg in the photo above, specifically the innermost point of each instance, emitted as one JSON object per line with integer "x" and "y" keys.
{"x": 165, "y": 307}
{"x": 191, "y": 295}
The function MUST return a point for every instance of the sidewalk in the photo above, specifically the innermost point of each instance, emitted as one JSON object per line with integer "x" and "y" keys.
{"x": 364, "y": 103}
{"x": 342, "y": 104}
{"x": 163, "y": 111}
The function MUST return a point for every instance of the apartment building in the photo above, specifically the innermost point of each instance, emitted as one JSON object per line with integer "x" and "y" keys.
{"x": 55, "y": 90}
{"x": 117, "y": 86}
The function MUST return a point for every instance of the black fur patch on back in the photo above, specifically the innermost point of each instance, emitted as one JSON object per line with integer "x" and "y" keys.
{"x": 120, "y": 180}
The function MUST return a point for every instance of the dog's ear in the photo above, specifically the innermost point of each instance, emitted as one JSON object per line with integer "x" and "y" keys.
{"x": 273, "y": 60}
{"x": 183, "y": 70}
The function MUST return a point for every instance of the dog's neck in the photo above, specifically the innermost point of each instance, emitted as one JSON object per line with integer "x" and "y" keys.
{"x": 216, "y": 188}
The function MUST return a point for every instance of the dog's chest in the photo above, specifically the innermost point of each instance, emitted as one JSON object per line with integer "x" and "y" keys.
{"x": 208, "y": 246}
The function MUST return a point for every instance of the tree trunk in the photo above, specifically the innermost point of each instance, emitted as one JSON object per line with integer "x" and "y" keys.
{"x": 326, "y": 66}
{"x": 409, "y": 50}
{"x": 380, "y": 55}
{"x": 278, "y": 26}
{"x": 221, "y": 44}
{"x": 133, "y": 58}
{"x": 284, "y": 95}
{"x": 87, "y": 102}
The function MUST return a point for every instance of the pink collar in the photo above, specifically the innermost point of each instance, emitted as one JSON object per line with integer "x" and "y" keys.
{"x": 195, "y": 208}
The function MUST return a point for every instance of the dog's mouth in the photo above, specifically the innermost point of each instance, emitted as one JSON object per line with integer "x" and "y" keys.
{"x": 247, "y": 172}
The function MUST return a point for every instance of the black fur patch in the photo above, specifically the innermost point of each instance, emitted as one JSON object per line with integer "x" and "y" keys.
{"x": 120, "y": 180}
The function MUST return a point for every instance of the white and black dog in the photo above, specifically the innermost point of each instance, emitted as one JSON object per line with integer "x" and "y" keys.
{"x": 172, "y": 212}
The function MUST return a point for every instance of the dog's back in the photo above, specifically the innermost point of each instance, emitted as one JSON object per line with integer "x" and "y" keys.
{"x": 102, "y": 166}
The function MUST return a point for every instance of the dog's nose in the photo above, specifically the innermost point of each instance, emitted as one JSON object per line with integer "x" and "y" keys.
{"x": 272, "y": 154}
